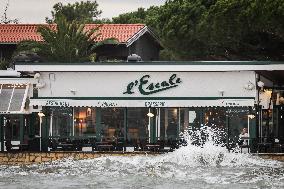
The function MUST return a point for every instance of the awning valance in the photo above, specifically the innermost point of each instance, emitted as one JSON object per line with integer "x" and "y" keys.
{"x": 13, "y": 98}
{"x": 206, "y": 102}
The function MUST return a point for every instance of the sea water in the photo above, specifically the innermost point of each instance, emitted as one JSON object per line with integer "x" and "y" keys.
{"x": 206, "y": 165}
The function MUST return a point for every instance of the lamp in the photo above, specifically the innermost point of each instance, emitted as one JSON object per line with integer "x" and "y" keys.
{"x": 73, "y": 91}
{"x": 40, "y": 85}
{"x": 40, "y": 114}
{"x": 150, "y": 114}
{"x": 221, "y": 92}
{"x": 260, "y": 84}
{"x": 37, "y": 75}
{"x": 251, "y": 116}
{"x": 249, "y": 86}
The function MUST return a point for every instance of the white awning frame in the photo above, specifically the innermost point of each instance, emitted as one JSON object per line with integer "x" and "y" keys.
{"x": 143, "y": 103}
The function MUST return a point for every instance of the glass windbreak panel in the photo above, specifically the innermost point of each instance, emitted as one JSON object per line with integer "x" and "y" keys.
{"x": 112, "y": 122}
{"x": 194, "y": 120}
{"x": 185, "y": 119}
{"x": 278, "y": 120}
{"x": 237, "y": 122}
{"x": 137, "y": 125}
{"x": 62, "y": 121}
{"x": 12, "y": 128}
{"x": 35, "y": 125}
{"x": 27, "y": 128}
{"x": 215, "y": 118}
{"x": 85, "y": 121}
{"x": 169, "y": 121}
{"x": 267, "y": 124}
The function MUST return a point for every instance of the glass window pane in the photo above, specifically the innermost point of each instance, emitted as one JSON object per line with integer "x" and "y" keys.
{"x": 5, "y": 96}
{"x": 112, "y": 123}
{"x": 169, "y": 120}
{"x": 62, "y": 121}
{"x": 184, "y": 119}
{"x": 18, "y": 97}
{"x": 238, "y": 120}
{"x": 137, "y": 125}
{"x": 12, "y": 127}
{"x": 85, "y": 121}
{"x": 215, "y": 117}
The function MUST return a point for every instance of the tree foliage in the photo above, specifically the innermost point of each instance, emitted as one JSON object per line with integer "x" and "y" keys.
{"x": 178, "y": 28}
{"x": 5, "y": 19}
{"x": 69, "y": 42}
{"x": 148, "y": 16}
{"x": 4, "y": 64}
{"x": 216, "y": 29}
{"x": 241, "y": 29}
{"x": 83, "y": 12}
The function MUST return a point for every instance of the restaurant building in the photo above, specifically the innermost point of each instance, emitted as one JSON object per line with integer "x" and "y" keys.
{"x": 136, "y": 104}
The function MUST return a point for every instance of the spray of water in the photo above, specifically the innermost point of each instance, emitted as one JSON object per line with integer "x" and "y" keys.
{"x": 201, "y": 161}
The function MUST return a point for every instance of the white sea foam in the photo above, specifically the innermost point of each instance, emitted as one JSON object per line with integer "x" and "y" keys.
{"x": 206, "y": 165}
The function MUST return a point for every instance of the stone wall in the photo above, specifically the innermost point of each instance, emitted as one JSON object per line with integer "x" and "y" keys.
{"x": 273, "y": 156}
{"x": 24, "y": 158}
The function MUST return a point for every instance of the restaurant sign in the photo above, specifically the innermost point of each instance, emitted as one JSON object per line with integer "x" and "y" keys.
{"x": 146, "y": 87}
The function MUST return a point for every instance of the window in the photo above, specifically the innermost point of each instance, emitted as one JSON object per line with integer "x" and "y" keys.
{"x": 61, "y": 119}
{"x": 169, "y": 120}
{"x": 137, "y": 125}
{"x": 112, "y": 123}
{"x": 85, "y": 121}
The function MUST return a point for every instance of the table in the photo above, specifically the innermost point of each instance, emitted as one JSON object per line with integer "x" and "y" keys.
{"x": 153, "y": 147}
{"x": 278, "y": 148}
{"x": 65, "y": 146}
{"x": 104, "y": 147}
{"x": 21, "y": 147}
{"x": 264, "y": 146}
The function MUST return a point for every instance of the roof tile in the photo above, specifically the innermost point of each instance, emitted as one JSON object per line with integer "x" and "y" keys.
{"x": 14, "y": 33}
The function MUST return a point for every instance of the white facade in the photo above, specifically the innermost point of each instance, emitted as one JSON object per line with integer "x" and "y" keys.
{"x": 160, "y": 89}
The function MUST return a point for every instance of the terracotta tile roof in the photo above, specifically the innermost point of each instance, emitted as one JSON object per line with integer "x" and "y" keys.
{"x": 14, "y": 33}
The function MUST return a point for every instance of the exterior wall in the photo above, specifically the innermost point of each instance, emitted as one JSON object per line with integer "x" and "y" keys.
{"x": 112, "y": 52}
{"x": 273, "y": 156}
{"x": 146, "y": 48}
{"x": 21, "y": 158}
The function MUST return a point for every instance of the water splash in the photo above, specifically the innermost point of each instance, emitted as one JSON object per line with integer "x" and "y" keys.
{"x": 204, "y": 162}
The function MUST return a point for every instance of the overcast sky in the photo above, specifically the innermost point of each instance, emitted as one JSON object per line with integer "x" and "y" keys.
{"x": 35, "y": 11}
